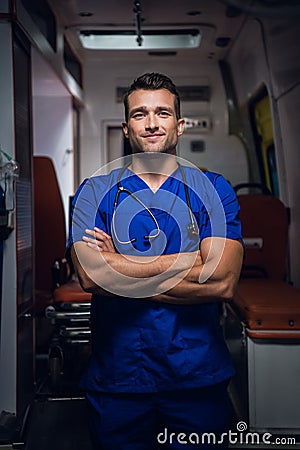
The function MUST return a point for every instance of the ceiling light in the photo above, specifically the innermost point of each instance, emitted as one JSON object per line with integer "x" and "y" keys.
{"x": 152, "y": 39}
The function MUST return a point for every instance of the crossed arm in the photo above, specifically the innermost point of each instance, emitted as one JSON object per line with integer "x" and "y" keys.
{"x": 204, "y": 276}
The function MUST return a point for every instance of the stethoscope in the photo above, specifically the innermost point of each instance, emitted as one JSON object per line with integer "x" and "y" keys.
{"x": 193, "y": 231}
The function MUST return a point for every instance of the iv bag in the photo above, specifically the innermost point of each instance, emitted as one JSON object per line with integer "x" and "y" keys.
{"x": 9, "y": 171}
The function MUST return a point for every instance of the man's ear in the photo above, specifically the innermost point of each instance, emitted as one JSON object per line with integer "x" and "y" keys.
{"x": 125, "y": 129}
{"x": 180, "y": 127}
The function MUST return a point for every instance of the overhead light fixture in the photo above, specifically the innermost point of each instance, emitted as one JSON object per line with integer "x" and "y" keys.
{"x": 154, "y": 39}
{"x": 138, "y": 39}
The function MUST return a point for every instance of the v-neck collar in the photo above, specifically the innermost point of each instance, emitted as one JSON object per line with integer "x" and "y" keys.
{"x": 142, "y": 182}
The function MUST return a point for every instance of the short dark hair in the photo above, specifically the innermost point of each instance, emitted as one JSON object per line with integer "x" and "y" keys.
{"x": 151, "y": 82}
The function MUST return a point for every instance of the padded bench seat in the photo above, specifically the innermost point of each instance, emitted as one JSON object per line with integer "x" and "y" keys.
{"x": 268, "y": 305}
{"x": 71, "y": 292}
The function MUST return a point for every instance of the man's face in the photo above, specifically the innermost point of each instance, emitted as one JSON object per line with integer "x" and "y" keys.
{"x": 152, "y": 124}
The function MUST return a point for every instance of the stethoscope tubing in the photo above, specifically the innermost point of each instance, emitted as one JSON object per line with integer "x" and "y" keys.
{"x": 131, "y": 194}
{"x": 192, "y": 227}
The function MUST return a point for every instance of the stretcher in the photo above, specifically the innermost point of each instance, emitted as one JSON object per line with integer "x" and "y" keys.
{"x": 58, "y": 294}
{"x": 262, "y": 325}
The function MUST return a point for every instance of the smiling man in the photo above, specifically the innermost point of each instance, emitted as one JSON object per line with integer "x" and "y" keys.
{"x": 152, "y": 124}
{"x": 168, "y": 251}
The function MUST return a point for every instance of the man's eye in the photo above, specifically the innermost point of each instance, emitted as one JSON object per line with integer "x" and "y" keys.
{"x": 138, "y": 115}
{"x": 164, "y": 113}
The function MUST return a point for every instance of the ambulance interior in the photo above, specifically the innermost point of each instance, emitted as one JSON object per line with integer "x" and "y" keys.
{"x": 236, "y": 64}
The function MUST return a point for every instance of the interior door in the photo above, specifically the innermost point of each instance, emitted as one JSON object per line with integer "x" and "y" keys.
{"x": 24, "y": 226}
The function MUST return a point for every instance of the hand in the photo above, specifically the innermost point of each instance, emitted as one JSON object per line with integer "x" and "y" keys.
{"x": 100, "y": 241}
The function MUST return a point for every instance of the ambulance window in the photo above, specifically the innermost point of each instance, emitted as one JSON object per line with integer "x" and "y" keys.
{"x": 262, "y": 125}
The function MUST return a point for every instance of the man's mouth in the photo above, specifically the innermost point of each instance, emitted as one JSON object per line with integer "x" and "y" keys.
{"x": 153, "y": 137}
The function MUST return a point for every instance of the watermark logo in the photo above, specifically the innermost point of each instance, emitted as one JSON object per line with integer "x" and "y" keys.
{"x": 240, "y": 436}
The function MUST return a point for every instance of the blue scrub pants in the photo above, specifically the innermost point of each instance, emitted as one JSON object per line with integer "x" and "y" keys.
{"x": 163, "y": 420}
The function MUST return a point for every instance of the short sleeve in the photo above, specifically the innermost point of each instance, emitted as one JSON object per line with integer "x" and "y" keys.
{"x": 219, "y": 215}
{"x": 231, "y": 208}
{"x": 85, "y": 211}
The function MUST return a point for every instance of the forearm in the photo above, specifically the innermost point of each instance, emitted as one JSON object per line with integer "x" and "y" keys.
{"x": 100, "y": 271}
{"x": 214, "y": 279}
{"x": 179, "y": 279}
{"x": 190, "y": 292}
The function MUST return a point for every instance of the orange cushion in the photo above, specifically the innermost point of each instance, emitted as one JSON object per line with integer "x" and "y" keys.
{"x": 268, "y": 304}
{"x": 71, "y": 292}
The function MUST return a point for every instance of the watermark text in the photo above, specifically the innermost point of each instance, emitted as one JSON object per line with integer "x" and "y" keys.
{"x": 239, "y": 436}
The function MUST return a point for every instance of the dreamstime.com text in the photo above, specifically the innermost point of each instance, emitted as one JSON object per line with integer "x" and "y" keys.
{"x": 240, "y": 436}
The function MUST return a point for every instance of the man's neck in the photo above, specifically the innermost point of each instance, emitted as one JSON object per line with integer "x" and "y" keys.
{"x": 154, "y": 168}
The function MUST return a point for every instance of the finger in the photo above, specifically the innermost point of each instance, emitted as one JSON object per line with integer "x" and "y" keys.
{"x": 104, "y": 243}
{"x": 94, "y": 239}
{"x": 111, "y": 247}
{"x": 107, "y": 245}
{"x": 102, "y": 233}
{"x": 108, "y": 248}
{"x": 90, "y": 232}
{"x": 89, "y": 240}
{"x": 94, "y": 246}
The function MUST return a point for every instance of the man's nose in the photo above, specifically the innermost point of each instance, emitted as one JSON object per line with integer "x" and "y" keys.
{"x": 151, "y": 122}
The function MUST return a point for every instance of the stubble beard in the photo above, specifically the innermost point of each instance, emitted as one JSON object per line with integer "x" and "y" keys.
{"x": 168, "y": 147}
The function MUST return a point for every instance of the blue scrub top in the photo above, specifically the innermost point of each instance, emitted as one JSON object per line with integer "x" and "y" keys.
{"x": 139, "y": 345}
